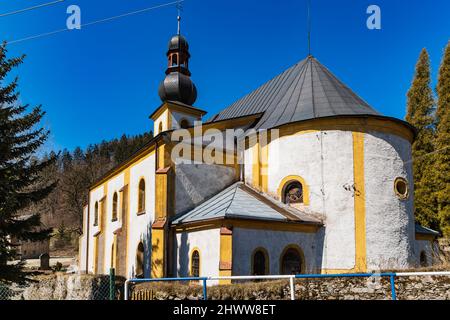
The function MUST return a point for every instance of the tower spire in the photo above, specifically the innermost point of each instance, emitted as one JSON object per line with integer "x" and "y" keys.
{"x": 309, "y": 27}
{"x": 179, "y": 9}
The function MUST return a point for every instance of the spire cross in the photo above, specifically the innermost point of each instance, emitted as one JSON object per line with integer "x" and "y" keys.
{"x": 309, "y": 27}
{"x": 179, "y": 9}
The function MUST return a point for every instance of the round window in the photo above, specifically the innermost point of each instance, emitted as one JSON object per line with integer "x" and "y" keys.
{"x": 401, "y": 188}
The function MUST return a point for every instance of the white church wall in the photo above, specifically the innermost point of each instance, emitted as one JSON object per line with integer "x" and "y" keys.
{"x": 177, "y": 117}
{"x": 325, "y": 161}
{"x": 139, "y": 227}
{"x": 82, "y": 251}
{"x": 207, "y": 242}
{"x": 194, "y": 183}
{"x": 245, "y": 241}
{"x": 113, "y": 185}
{"x": 390, "y": 230}
{"x": 95, "y": 196}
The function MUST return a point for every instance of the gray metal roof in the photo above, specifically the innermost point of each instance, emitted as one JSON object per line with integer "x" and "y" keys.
{"x": 239, "y": 201}
{"x": 424, "y": 230}
{"x": 305, "y": 91}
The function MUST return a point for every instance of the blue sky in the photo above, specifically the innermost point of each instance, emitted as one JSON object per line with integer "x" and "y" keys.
{"x": 101, "y": 81}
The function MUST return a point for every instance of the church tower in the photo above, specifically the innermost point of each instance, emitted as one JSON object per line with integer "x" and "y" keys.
{"x": 177, "y": 91}
{"x": 178, "y": 86}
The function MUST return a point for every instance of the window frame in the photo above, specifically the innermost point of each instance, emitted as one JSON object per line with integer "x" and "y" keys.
{"x": 191, "y": 264}
{"x": 141, "y": 205}
{"x": 115, "y": 207}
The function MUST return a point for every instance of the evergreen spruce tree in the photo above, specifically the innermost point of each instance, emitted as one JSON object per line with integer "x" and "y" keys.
{"x": 442, "y": 167}
{"x": 420, "y": 115}
{"x": 20, "y": 181}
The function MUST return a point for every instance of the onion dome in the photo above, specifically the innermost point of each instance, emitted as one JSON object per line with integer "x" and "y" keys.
{"x": 178, "y": 86}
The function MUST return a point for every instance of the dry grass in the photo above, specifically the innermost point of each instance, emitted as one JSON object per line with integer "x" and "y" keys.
{"x": 237, "y": 291}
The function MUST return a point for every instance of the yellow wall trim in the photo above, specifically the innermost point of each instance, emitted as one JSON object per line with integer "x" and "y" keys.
{"x": 248, "y": 224}
{"x": 360, "y": 203}
{"x": 354, "y": 124}
{"x": 158, "y": 263}
{"x": 226, "y": 254}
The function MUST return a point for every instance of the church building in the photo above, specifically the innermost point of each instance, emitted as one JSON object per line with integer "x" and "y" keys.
{"x": 323, "y": 183}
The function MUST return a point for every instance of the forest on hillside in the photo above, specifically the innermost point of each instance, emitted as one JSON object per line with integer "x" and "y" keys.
{"x": 74, "y": 171}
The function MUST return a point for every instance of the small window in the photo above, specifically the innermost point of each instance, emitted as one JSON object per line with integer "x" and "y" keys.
{"x": 423, "y": 259}
{"x": 160, "y": 129}
{"x": 195, "y": 264}
{"x": 293, "y": 193}
{"x": 401, "y": 188}
{"x": 291, "y": 262}
{"x": 141, "y": 200}
{"x": 184, "y": 124}
{"x": 114, "y": 206}
{"x": 96, "y": 214}
{"x": 260, "y": 263}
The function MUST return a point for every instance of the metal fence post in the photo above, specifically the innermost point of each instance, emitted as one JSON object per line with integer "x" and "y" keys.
{"x": 112, "y": 284}
{"x": 393, "y": 294}
{"x": 292, "y": 286}
{"x": 205, "y": 290}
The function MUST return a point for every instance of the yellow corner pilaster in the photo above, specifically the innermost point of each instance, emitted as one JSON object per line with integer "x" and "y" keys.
{"x": 360, "y": 203}
{"x": 226, "y": 255}
{"x": 158, "y": 250}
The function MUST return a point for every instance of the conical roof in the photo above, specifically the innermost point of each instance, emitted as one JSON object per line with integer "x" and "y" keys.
{"x": 307, "y": 90}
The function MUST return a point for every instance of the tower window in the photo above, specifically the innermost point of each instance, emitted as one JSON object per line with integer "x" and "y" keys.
{"x": 114, "y": 206}
{"x": 195, "y": 264}
{"x": 96, "y": 214}
{"x": 184, "y": 124}
{"x": 401, "y": 188}
{"x": 174, "y": 60}
{"x": 160, "y": 128}
{"x": 293, "y": 193}
{"x": 141, "y": 200}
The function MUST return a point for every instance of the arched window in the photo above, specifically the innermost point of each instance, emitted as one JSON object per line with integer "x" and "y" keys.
{"x": 139, "y": 268}
{"x": 260, "y": 266}
{"x": 293, "y": 193}
{"x": 141, "y": 200}
{"x": 160, "y": 128}
{"x": 291, "y": 261}
{"x": 96, "y": 214}
{"x": 114, "y": 206}
{"x": 195, "y": 264}
{"x": 423, "y": 259}
{"x": 184, "y": 124}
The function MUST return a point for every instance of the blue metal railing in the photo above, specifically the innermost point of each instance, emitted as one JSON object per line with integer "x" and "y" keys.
{"x": 204, "y": 280}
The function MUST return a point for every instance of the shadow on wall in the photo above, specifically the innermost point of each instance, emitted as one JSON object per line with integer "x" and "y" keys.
{"x": 318, "y": 250}
{"x": 183, "y": 256}
{"x": 197, "y": 182}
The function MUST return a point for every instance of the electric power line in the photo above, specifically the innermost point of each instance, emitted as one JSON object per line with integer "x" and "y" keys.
{"x": 41, "y": 35}
{"x": 30, "y": 8}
